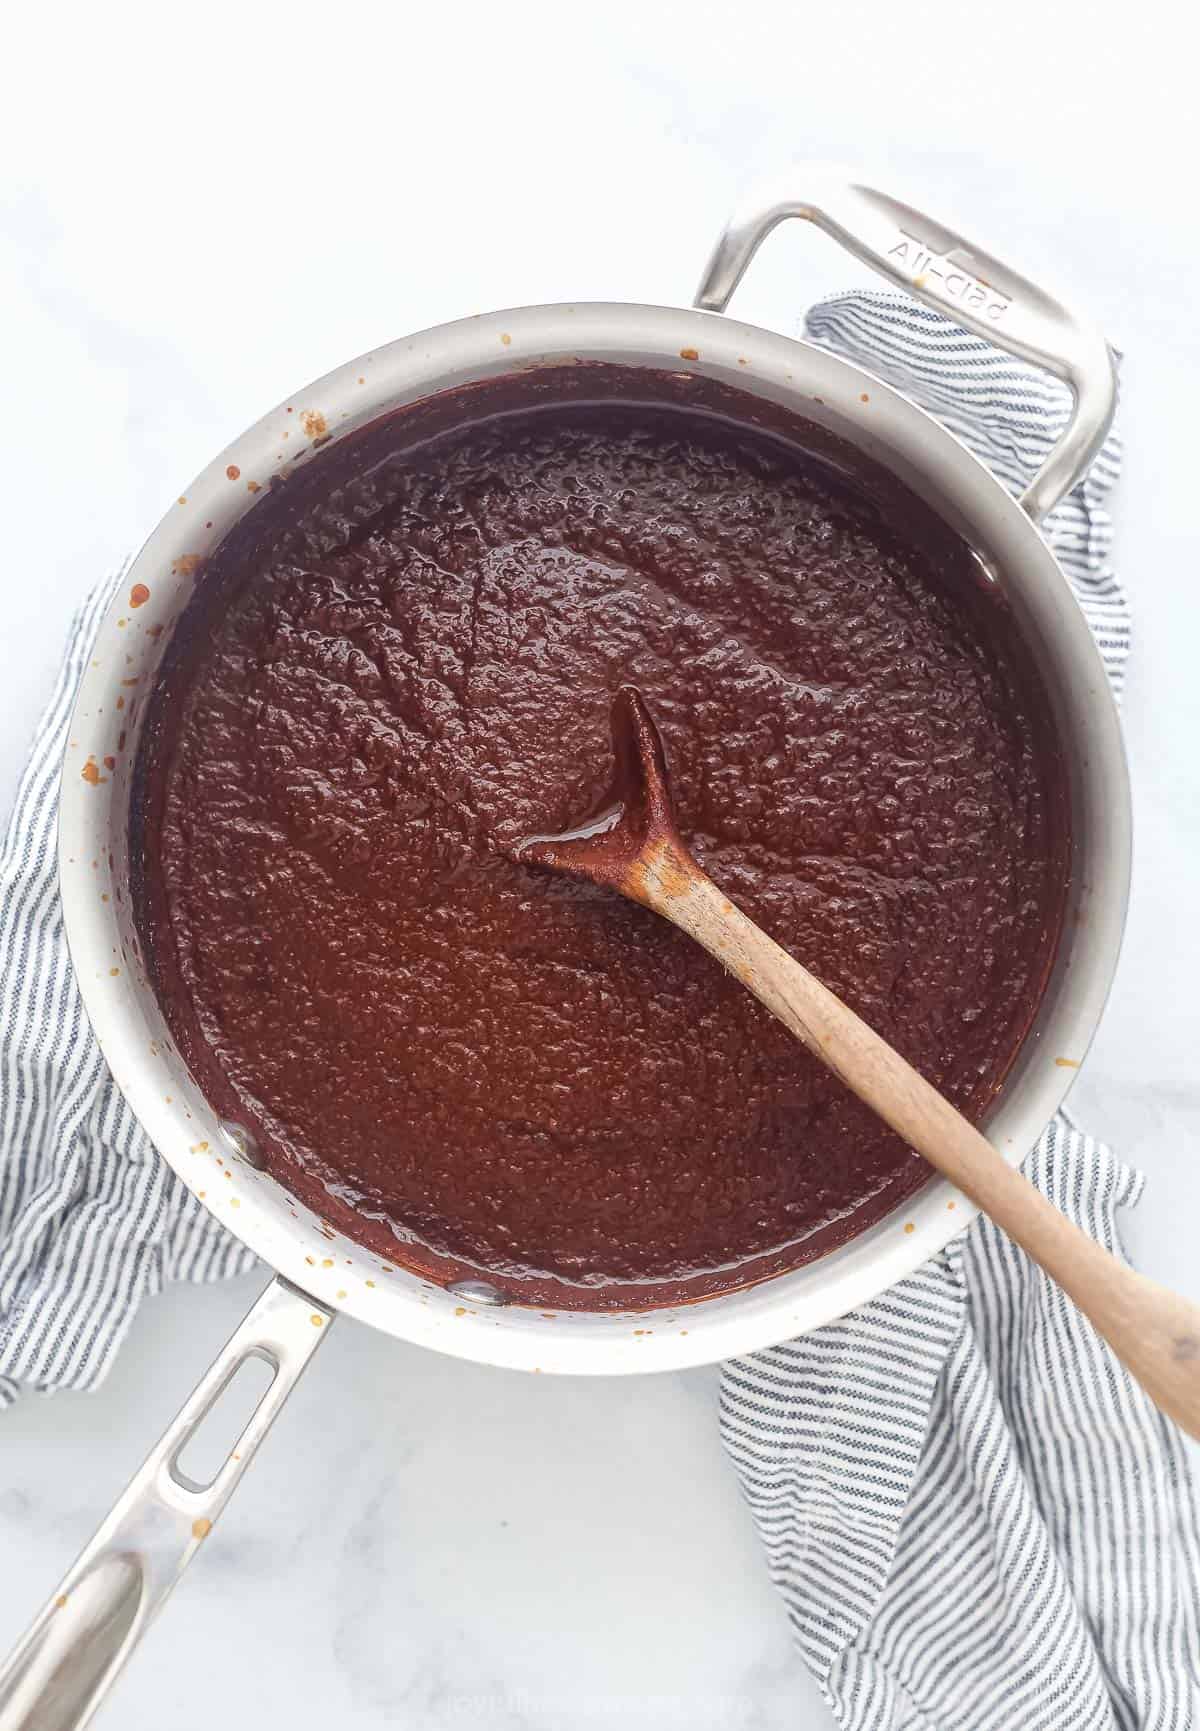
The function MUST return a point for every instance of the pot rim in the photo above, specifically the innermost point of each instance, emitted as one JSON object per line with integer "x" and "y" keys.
{"x": 94, "y": 820}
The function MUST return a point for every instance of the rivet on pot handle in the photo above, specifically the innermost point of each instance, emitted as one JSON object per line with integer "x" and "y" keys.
{"x": 949, "y": 274}
{"x": 62, "y": 1669}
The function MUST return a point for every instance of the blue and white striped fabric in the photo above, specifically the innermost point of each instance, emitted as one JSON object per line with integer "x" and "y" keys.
{"x": 976, "y": 1521}
{"x": 91, "y": 1220}
{"x": 974, "y": 1518}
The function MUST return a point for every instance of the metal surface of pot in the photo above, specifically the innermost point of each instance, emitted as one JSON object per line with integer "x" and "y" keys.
{"x": 163, "y": 1517}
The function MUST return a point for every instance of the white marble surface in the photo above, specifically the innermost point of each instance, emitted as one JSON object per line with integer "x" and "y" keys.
{"x": 197, "y": 213}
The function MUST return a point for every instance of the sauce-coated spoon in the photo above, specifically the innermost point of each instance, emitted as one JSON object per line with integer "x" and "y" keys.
{"x": 636, "y": 848}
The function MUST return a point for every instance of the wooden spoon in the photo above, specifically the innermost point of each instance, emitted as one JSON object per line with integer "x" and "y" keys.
{"x": 635, "y": 847}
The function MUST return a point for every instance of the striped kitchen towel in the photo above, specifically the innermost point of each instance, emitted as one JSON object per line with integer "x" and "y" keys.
{"x": 91, "y": 1220}
{"x": 976, "y": 1521}
{"x": 974, "y": 1518}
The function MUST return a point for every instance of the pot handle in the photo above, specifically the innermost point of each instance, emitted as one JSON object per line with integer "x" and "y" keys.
{"x": 947, "y": 272}
{"x": 63, "y": 1667}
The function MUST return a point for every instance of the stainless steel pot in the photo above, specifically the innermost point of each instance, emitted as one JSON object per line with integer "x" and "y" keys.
{"x": 78, "y": 1644}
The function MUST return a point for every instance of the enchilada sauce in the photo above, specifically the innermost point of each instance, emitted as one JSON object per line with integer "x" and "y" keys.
{"x": 403, "y": 662}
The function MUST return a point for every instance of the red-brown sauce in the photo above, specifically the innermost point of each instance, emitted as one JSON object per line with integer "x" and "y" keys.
{"x": 402, "y": 663}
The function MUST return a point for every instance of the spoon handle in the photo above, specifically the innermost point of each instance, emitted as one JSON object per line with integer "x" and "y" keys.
{"x": 1153, "y": 1331}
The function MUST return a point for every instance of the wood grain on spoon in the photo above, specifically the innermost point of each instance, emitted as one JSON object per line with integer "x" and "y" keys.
{"x": 635, "y": 847}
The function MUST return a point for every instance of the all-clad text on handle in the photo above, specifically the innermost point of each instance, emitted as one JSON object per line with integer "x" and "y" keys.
{"x": 949, "y": 273}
